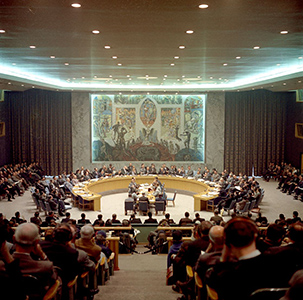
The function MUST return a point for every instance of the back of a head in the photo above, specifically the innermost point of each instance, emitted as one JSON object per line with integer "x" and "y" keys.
{"x": 295, "y": 213}
{"x": 240, "y": 232}
{"x": 26, "y": 234}
{"x": 149, "y": 214}
{"x": 186, "y": 214}
{"x": 167, "y": 216}
{"x": 87, "y": 232}
{"x": 295, "y": 232}
{"x": 216, "y": 235}
{"x": 203, "y": 228}
{"x": 63, "y": 233}
{"x": 275, "y": 232}
{"x": 177, "y": 235}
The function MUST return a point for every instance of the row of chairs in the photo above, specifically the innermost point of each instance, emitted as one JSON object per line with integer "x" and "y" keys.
{"x": 83, "y": 281}
{"x": 206, "y": 292}
{"x": 74, "y": 288}
{"x": 44, "y": 206}
{"x": 252, "y": 206}
{"x": 144, "y": 207}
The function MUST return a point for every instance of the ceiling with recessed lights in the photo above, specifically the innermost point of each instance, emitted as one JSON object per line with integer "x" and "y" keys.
{"x": 151, "y": 45}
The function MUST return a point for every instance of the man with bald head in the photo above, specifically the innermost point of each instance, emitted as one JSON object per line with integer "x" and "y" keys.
{"x": 27, "y": 239}
{"x": 207, "y": 259}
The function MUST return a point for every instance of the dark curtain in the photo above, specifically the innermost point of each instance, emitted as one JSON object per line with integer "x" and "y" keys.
{"x": 40, "y": 126}
{"x": 255, "y": 126}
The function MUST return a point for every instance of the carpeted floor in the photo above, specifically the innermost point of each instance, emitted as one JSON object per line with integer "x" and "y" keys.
{"x": 141, "y": 276}
{"x": 273, "y": 204}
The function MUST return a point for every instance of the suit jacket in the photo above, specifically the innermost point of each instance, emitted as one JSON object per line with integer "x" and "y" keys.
{"x": 143, "y": 199}
{"x": 89, "y": 247}
{"x": 194, "y": 250}
{"x": 237, "y": 280}
{"x": 64, "y": 257}
{"x": 150, "y": 220}
{"x": 41, "y": 269}
{"x": 185, "y": 221}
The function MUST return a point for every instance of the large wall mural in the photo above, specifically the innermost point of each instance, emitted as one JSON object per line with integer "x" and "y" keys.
{"x": 148, "y": 127}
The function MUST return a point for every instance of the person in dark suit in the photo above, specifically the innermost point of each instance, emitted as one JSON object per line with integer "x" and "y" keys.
{"x": 115, "y": 220}
{"x": 150, "y": 219}
{"x": 250, "y": 271}
{"x": 133, "y": 219}
{"x": 143, "y": 198}
{"x": 83, "y": 221}
{"x": 36, "y": 219}
{"x": 27, "y": 242}
{"x": 61, "y": 253}
{"x": 185, "y": 221}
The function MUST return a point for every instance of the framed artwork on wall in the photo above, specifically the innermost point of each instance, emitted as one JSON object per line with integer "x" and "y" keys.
{"x": 2, "y": 129}
{"x": 299, "y": 95}
{"x": 148, "y": 127}
{"x": 299, "y": 130}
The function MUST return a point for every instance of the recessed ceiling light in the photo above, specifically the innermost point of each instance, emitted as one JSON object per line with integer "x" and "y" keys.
{"x": 76, "y": 5}
{"x": 299, "y": 81}
{"x": 119, "y": 64}
{"x": 13, "y": 64}
{"x": 32, "y": 46}
{"x": 2, "y": 31}
{"x": 33, "y": 86}
{"x": 147, "y": 93}
{"x": 181, "y": 47}
{"x": 129, "y": 79}
{"x": 284, "y": 32}
{"x": 183, "y": 76}
{"x": 52, "y": 56}
{"x": 300, "y": 57}
{"x": 176, "y": 57}
{"x": 284, "y": 83}
{"x": 211, "y": 77}
{"x": 203, "y": 6}
{"x": 95, "y": 31}
{"x": 67, "y": 64}
{"x": 110, "y": 76}
{"x": 256, "y": 47}
{"x": 127, "y": 75}
{"x": 164, "y": 78}
{"x": 22, "y": 84}
{"x": 278, "y": 64}
{"x": 120, "y": 93}
{"x": 165, "y": 75}
{"x": 189, "y": 31}
{"x": 238, "y": 57}
{"x": 9, "y": 83}
{"x": 107, "y": 47}
{"x": 172, "y": 65}
{"x": 114, "y": 57}
{"x": 225, "y": 64}
{"x": 82, "y": 77}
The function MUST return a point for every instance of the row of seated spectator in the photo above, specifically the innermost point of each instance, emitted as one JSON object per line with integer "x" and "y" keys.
{"x": 14, "y": 180}
{"x": 235, "y": 259}
{"x": 275, "y": 171}
{"x": 62, "y": 254}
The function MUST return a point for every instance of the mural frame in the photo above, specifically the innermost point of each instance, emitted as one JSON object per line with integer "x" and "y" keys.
{"x": 148, "y": 128}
